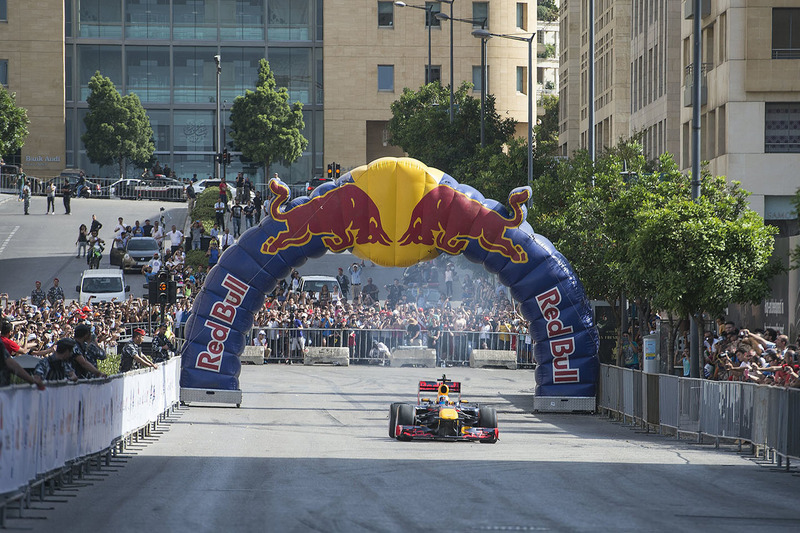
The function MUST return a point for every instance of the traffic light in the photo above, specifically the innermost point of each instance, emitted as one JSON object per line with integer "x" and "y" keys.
{"x": 162, "y": 288}
{"x": 330, "y": 171}
{"x": 337, "y": 171}
{"x": 218, "y": 158}
{"x": 226, "y": 157}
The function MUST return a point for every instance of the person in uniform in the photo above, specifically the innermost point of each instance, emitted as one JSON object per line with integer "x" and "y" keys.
{"x": 132, "y": 357}
{"x": 56, "y": 366}
{"x": 85, "y": 353}
{"x": 163, "y": 349}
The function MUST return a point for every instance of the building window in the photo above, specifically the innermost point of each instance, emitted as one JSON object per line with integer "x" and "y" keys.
{"x": 476, "y": 78}
{"x": 435, "y": 74}
{"x": 522, "y": 16}
{"x": 522, "y": 80}
{"x": 786, "y": 33}
{"x": 100, "y": 18}
{"x": 431, "y": 8}
{"x": 385, "y": 14}
{"x": 3, "y": 10}
{"x": 4, "y": 72}
{"x": 480, "y": 14}
{"x": 386, "y": 77}
{"x": 782, "y": 128}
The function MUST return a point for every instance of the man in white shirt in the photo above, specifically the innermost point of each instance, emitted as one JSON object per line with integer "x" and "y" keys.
{"x": 175, "y": 238}
{"x": 355, "y": 280}
{"x": 226, "y": 239}
{"x": 119, "y": 228}
{"x": 155, "y": 263}
{"x": 158, "y": 234}
{"x": 219, "y": 213}
{"x": 261, "y": 341}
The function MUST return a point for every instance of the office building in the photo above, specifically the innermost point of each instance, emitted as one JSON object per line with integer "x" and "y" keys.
{"x": 346, "y": 61}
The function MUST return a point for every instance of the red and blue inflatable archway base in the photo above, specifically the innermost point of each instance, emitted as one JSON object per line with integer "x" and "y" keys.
{"x": 395, "y": 212}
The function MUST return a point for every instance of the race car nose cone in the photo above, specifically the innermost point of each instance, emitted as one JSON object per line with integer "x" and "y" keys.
{"x": 448, "y": 413}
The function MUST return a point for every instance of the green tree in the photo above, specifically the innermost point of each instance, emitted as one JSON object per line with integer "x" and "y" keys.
{"x": 547, "y": 10}
{"x": 420, "y": 125}
{"x": 117, "y": 127}
{"x": 264, "y": 126}
{"x": 13, "y": 123}
{"x": 546, "y": 130}
{"x": 639, "y": 234}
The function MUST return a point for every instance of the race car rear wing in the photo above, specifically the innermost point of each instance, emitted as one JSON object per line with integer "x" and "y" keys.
{"x": 433, "y": 387}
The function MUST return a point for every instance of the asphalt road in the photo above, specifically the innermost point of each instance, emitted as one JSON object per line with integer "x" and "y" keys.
{"x": 309, "y": 451}
{"x": 42, "y": 247}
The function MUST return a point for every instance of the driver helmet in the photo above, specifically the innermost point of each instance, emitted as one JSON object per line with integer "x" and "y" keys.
{"x": 444, "y": 399}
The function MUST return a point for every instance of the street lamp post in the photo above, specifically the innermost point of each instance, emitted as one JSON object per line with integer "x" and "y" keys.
{"x": 429, "y": 21}
{"x": 482, "y": 21}
{"x": 452, "y": 79}
{"x": 217, "y": 60}
{"x": 483, "y": 35}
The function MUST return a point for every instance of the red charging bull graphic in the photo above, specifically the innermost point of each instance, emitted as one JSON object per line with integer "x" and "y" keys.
{"x": 326, "y": 215}
{"x": 396, "y": 212}
{"x": 464, "y": 219}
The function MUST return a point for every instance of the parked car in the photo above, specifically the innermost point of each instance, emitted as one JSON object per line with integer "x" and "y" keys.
{"x": 124, "y": 189}
{"x": 316, "y": 182}
{"x": 138, "y": 252}
{"x": 201, "y": 185}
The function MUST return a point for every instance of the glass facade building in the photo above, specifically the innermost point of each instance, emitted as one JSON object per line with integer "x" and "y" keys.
{"x": 163, "y": 51}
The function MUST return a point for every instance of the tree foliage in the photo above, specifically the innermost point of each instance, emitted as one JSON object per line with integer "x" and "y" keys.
{"x": 630, "y": 231}
{"x": 421, "y": 126}
{"x": 117, "y": 127}
{"x": 13, "y": 123}
{"x": 264, "y": 126}
{"x": 547, "y": 10}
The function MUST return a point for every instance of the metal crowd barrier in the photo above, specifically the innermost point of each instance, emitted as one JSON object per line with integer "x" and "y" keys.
{"x": 766, "y": 417}
{"x": 452, "y": 348}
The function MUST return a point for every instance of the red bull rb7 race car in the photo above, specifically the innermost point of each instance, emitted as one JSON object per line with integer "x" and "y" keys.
{"x": 442, "y": 418}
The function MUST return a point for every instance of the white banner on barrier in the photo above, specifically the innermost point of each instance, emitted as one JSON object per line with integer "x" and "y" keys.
{"x": 42, "y": 430}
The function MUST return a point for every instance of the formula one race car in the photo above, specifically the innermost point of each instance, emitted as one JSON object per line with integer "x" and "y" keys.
{"x": 442, "y": 418}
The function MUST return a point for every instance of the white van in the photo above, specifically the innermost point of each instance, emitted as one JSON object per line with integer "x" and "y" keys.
{"x": 104, "y": 284}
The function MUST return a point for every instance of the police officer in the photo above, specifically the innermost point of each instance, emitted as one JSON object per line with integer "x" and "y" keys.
{"x": 86, "y": 353}
{"x": 132, "y": 356}
{"x": 163, "y": 349}
{"x": 57, "y": 365}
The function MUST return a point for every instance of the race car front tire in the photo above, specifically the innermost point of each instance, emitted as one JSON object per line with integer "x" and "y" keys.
{"x": 405, "y": 416}
{"x": 393, "y": 418}
{"x": 488, "y": 417}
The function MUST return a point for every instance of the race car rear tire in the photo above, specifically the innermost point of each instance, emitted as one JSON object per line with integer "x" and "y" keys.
{"x": 393, "y": 419}
{"x": 405, "y": 416}
{"x": 488, "y": 417}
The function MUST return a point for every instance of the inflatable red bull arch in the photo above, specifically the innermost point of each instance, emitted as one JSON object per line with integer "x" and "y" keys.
{"x": 395, "y": 212}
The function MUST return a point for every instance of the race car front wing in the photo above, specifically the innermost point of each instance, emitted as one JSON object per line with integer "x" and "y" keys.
{"x": 467, "y": 434}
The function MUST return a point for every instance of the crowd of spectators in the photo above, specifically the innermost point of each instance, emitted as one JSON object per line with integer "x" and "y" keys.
{"x": 368, "y": 320}
{"x": 762, "y": 356}
{"x": 71, "y": 339}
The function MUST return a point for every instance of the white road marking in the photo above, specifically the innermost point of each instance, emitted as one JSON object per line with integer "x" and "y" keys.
{"x": 8, "y": 239}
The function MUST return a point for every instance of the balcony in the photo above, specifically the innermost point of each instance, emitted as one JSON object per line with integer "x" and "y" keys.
{"x": 688, "y": 85}
{"x": 688, "y": 8}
